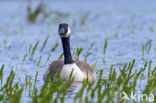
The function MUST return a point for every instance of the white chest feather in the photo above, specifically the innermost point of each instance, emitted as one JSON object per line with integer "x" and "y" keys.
{"x": 77, "y": 74}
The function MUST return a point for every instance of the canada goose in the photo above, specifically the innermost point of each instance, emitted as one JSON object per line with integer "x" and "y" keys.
{"x": 80, "y": 70}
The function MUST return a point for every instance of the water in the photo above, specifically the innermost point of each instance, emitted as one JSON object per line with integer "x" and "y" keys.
{"x": 127, "y": 25}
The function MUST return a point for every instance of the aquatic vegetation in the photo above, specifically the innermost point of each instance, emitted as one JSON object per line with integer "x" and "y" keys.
{"x": 60, "y": 57}
{"x": 25, "y": 56}
{"x": 151, "y": 28}
{"x": 33, "y": 50}
{"x": 116, "y": 35}
{"x": 32, "y": 15}
{"x": 84, "y": 18}
{"x": 44, "y": 44}
{"x": 54, "y": 47}
{"x": 104, "y": 50}
{"x": 105, "y": 46}
{"x": 38, "y": 63}
{"x": 77, "y": 53}
{"x": 11, "y": 92}
{"x": 1, "y": 74}
{"x": 88, "y": 53}
{"x": 48, "y": 57}
{"x": 146, "y": 48}
{"x": 94, "y": 65}
{"x": 108, "y": 89}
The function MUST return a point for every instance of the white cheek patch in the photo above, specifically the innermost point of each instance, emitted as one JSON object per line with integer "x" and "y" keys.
{"x": 67, "y": 34}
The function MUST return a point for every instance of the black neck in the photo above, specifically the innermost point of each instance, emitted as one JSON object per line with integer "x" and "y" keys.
{"x": 66, "y": 49}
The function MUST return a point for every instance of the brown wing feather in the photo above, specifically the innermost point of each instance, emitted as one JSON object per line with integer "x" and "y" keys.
{"x": 86, "y": 69}
{"x": 56, "y": 65}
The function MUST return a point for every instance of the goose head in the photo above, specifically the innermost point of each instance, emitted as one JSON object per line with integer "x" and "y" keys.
{"x": 64, "y": 30}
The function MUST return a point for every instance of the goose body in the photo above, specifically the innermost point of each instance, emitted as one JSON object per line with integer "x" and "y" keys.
{"x": 58, "y": 64}
{"x": 77, "y": 74}
{"x": 80, "y": 70}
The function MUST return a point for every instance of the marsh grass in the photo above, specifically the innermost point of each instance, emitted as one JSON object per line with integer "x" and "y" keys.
{"x": 11, "y": 92}
{"x": 116, "y": 35}
{"x": 104, "y": 90}
{"x": 54, "y": 47}
{"x": 1, "y": 74}
{"x": 59, "y": 16}
{"x": 104, "y": 50}
{"x": 108, "y": 89}
{"x": 88, "y": 53}
{"x": 77, "y": 53}
{"x": 32, "y": 15}
{"x": 105, "y": 46}
{"x": 33, "y": 50}
{"x": 93, "y": 66}
{"x": 48, "y": 58}
{"x": 84, "y": 18}
{"x": 41, "y": 11}
{"x": 146, "y": 48}
{"x": 39, "y": 61}
{"x": 151, "y": 29}
{"x": 44, "y": 44}
{"x": 61, "y": 56}
{"x": 24, "y": 58}
{"x": 30, "y": 47}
